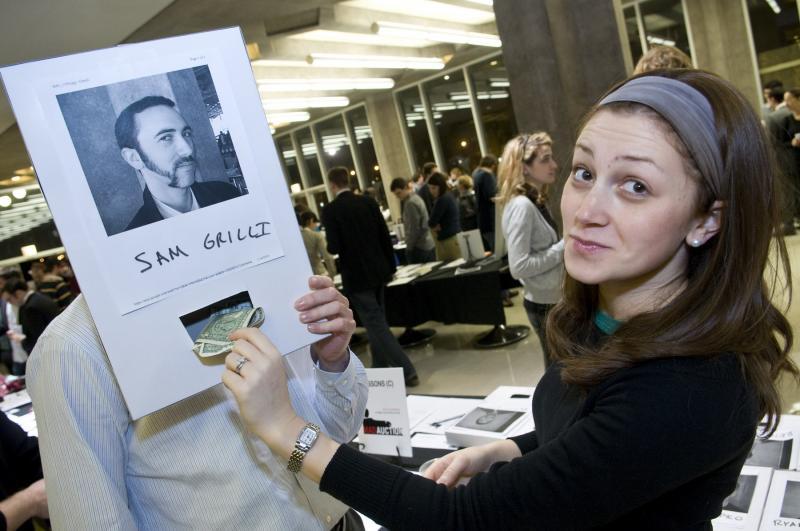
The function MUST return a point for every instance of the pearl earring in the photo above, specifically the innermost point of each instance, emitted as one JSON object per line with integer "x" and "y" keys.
{"x": 695, "y": 243}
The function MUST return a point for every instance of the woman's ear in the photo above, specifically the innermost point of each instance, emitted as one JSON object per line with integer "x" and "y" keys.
{"x": 705, "y": 226}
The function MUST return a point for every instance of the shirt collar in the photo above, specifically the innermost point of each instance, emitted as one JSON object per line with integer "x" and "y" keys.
{"x": 168, "y": 212}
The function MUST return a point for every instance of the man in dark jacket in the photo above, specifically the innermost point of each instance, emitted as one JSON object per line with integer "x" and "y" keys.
{"x": 485, "y": 183}
{"x": 356, "y": 231}
{"x": 35, "y": 312}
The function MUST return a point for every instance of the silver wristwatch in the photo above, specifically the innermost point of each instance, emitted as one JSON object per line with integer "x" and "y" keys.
{"x": 305, "y": 440}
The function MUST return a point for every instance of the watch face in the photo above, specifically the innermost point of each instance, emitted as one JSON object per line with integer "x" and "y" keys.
{"x": 307, "y": 436}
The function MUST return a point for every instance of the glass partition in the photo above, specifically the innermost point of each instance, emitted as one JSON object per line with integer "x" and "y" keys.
{"x": 286, "y": 151}
{"x": 454, "y": 122}
{"x": 411, "y": 109}
{"x": 490, "y": 80}
{"x": 310, "y": 157}
{"x": 776, "y": 36}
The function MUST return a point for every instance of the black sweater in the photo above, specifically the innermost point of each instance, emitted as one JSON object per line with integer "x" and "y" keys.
{"x": 656, "y": 446}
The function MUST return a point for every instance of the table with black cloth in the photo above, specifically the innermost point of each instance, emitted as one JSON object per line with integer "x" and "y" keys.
{"x": 466, "y": 298}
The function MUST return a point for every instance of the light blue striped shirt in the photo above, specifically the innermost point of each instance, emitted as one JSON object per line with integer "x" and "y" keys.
{"x": 189, "y": 466}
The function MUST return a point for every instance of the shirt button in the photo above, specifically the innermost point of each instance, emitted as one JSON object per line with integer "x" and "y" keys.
{"x": 328, "y": 518}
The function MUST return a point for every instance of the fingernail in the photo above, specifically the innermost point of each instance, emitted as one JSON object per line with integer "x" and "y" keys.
{"x": 303, "y": 317}
{"x": 300, "y": 304}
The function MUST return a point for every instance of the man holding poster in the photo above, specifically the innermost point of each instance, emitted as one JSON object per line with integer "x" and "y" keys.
{"x": 191, "y": 465}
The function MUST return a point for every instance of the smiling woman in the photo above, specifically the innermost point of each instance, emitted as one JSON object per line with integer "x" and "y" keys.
{"x": 666, "y": 345}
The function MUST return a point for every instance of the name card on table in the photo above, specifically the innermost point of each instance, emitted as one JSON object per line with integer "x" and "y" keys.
{"x": 386, "y": 429}
{"x": 158, "y": 166}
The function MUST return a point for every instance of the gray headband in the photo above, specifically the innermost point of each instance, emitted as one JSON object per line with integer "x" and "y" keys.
{"x": 687, "y": 111}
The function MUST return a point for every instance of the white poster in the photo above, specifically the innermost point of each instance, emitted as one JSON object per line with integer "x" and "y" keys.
{"x": 385, "y": 430}
{"x": 782, "y": 509}
{"x": 157, "y": 163}
{"x": 743, "y": 508}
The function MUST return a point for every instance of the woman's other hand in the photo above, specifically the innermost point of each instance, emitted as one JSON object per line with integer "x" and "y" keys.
{"x": 461, "y": 464}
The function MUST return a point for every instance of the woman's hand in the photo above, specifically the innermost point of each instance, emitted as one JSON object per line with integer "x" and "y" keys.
{"x": 326, "y": 311}
{"x": 448, "y": 470}
{"x": 259, "y": 384}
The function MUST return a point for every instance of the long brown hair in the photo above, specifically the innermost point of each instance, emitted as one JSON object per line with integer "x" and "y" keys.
{"x": 726, "y": 305}
{"x": 518, "y": 151}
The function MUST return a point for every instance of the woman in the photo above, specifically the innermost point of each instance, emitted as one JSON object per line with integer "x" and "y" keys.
{"x": 666, "y": 345}
{"x": 316, "y": 246}
{"x": 535, "y": 253}
{"x": 467, "y": 203}
{"x": 444, "y": 220}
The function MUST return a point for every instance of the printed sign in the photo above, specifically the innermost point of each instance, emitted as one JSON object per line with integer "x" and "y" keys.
{"x": 385, "y": 430}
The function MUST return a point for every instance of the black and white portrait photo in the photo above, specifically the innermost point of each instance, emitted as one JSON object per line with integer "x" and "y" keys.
{"x": 495, "y": 420}
{"x": 790, "y": 508}
{"x": 153, "y": 147}
{"x": 739, "y": 500}
{"x": 772, "y": 454}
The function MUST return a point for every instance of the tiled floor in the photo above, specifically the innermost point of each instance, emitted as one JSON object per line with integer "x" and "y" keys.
{"x": 449, "y": 364}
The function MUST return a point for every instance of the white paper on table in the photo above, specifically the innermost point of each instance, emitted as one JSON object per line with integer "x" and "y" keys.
{"x": 444, "y": 414}
{"x": 400, "y": 281}
{"x": 430, "y": 440}
{"x": 782, "y": 449}
{"x": 15, "y": 400}
{"x": 454, "y": 263}
{"x": 782, "y": 509}
{"x": 149, "y": 348}
{"x": 743, "y": 508}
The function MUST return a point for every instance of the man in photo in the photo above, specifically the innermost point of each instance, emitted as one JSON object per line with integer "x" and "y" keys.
{"x": 155, "y": 140}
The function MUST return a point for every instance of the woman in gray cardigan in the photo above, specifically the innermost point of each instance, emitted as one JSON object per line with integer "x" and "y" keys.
{"x": 535, "y": 252}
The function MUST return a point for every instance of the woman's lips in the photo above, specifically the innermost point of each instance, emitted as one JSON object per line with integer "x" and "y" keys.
{"x": 587, "y": 246}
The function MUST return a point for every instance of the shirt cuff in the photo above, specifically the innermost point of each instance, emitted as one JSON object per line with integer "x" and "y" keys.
{"x": 339, "y": 382}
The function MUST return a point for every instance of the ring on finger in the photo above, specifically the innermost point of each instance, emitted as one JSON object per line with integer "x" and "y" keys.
{"x": 239, "y": 364}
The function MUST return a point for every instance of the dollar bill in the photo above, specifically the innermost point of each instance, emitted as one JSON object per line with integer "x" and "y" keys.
{"x": 213, "y": 340}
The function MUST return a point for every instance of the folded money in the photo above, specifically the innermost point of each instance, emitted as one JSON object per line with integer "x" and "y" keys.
{"x": 213, "y": 340}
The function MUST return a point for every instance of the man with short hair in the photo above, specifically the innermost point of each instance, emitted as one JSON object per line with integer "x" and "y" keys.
{"x": 155, "y": 140}
{"x": 50, "y": 284}
{"x": 485, "y": 184}
{"x": 35, "y": 313}
{"x": 357, "y": 232}
{"x": 428, "y": 169}
{"x": 420, "y": 247}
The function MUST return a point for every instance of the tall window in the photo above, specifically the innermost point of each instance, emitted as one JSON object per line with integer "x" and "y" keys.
{"x": 335, "y": 146}
{"x": 660, "y": 22}
{"x": 456, "y": 128}
{"x": 411, "y": 108}
{"x": 366, "y": 152}
{"x": 310, "y": 156}
{"x": 494, "y": 102}
{"x": 776, "y": 36}
{"x": 287, "y": 153}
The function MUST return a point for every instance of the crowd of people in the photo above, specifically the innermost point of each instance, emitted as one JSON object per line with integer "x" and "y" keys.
{"x": 652, "y": 303}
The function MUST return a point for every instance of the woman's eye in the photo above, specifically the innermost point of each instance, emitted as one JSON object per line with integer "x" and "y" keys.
{"x": 634, "y": 187}
{"x": 582, "y": 174}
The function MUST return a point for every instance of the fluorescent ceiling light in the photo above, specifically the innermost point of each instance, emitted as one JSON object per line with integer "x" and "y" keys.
{"x": 286, "y": 104}
{"x": 397, "y": 29}
{"x": 280, "y": 63}
{"x": 774, "y": 5}
{"x": 332, "y": 60}
{"x": 369, "y": 39}
{"x": 19, "y": 193}
{"x": 280, "y": 118}
{"x": 497, "y": 82}
{"x": 426, "y": 9}
{"x": 658, "y": 40}
{"x": 482, "y": 2}
{"x": 322, "y": 84}
{"x": 28, "y": 250}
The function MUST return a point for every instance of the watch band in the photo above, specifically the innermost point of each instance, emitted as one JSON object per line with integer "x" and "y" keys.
{"x": 305, "y": 440}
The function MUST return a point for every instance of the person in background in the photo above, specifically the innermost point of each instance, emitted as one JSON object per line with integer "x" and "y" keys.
{"x": 35, "y": 312}
{"x": 420, "y": 247}
{"x": 452, "y": 179}
{"x": 485, "y": 181}
{"x": 778, "y": 122}
{"x": 773, "y": 97}
{"x": 667, "y": 346}
{"x": 63, "y": 269}
{"x": 357, "y": 232}
{"x": 467, "y": 203}
{"x": 16, "y": 362}
{"x": 658, "y": 57}
{"x": 316, "y": 246}
{"x": 444, "y": 220}
{"x": 50, "y": 284}
{"x": 22, "y": 489}
{"x": 422, "y": 185}
{"x": 535, "y": 252}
